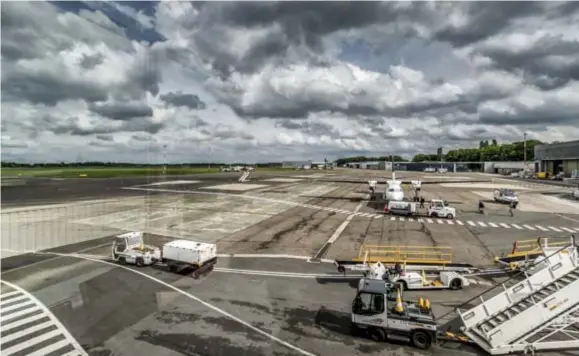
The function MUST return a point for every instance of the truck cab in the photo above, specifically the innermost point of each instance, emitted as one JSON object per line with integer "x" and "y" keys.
{"x": 440, "y": 208}
{"x": 378, "y": 311}
{"x": 505, "y": 196}
{"x": 129, "y": 248}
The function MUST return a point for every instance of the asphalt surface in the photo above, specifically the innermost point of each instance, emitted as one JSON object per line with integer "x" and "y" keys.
{"x": 237, "y": 308}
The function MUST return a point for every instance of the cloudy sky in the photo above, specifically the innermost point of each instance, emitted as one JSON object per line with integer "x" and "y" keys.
{"x": 259, "y": 81}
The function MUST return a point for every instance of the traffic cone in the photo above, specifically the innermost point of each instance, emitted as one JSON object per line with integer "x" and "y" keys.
{"x": 399, "y": 308}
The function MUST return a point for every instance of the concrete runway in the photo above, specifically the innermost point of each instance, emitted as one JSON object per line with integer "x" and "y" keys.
{"x": 247, "y": 306}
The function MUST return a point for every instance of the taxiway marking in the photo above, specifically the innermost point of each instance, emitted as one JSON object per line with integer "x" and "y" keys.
{"x": 21, "y": 309}
{"x": 188, "y": 295}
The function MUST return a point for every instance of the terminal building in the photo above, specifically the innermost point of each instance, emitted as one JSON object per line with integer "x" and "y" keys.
{"x": 558, "y": 157}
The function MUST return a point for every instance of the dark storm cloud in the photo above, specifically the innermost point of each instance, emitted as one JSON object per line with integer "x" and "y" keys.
{"x": 191, "y": 101}
{"x": 122, "y": 111}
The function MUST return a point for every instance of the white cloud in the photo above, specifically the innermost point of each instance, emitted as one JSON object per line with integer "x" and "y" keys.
{"x": 272, "y": 81}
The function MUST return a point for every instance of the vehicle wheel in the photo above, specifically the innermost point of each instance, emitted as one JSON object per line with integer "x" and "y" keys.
{"x": 139, "y": 262}
{"x": 421, "y": 340}
{"x": 377, "y": 335}
{"x": 449, "y": 216}
{"x": 455, "y": 284}
{"x": 354, "y": 329}
{"x": 341, "y": 269}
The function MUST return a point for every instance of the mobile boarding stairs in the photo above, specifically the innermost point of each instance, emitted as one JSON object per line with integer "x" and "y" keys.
{"x": 540, "y": 312}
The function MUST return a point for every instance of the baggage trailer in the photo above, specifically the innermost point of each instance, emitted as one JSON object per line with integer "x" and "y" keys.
{"x": 176, "y": 255}
{"x": 413, "y": 280}
{"x": 414, "y": 258}
{"x": 540, "y": 312}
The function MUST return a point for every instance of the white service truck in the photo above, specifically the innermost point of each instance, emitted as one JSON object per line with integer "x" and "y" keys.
{"x": 575, "y": 193}
{"x": 438, "y": 208}
{"x": 176, "y": 255}
{"x": 506, "y": 196}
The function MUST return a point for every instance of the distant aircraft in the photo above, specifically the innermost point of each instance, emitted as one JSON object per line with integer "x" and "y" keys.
{"x": 394, "y": 191}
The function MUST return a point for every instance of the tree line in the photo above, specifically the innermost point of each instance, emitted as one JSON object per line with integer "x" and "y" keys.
{"x": 486, "y": 151}
{"x": 342, "y": 161}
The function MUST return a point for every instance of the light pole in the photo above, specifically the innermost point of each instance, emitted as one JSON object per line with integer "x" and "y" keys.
{"x": 525, "y": 150}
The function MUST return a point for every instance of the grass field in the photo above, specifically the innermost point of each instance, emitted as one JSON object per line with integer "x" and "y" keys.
{"x": 108, "y": 172}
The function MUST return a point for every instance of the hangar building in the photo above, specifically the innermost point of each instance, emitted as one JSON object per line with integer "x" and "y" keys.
{"x": 558, "y": 157}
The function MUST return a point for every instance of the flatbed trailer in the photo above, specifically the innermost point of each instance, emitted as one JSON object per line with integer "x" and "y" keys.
{"x": 417, "y": 280}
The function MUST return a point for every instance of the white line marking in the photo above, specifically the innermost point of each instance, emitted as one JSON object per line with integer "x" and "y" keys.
{"x": 541, "y": 228}
{"x": 567, "y": 229}
{"x": 449, "y": 222}
{"x": 60, "y": 328}
{"x": 529, "y": 227}
{"x": 392, "y": 218}
{"x": 471, "y": 223}
{"x": 31, "y": 342}
{"x": 50, "y": 348}
{"x": 568, "y": 218}
{"x": 459, "y": 222}
{"x": 554, "y": 228}
{"x": 517, "y": 226}
{"x": 257, "y": 255}
{"x": 16, "y": 315}
{"x": 25, "y": 332}
{"x": 378, "y": 216}
{"x": 430, "y": 221}
{"x": 440, "y": 221}
{"x": 23, "y": 321}
{"x": 411, "y": 219}
{"x": 27, "y": 303}
{"x": 188, "y": 295}
{"x": 493, "y": 224}
{"x": 505, "y": 225}
{"x": 482, "y": 224}
{"x": 279, "y": 273}
{"x": 12, "y": 300}
{"x": 342, "y": 227}
{"x": 420, "y": 220}
{"x": 9, "y": 294}
{"x": 401, "y": 218}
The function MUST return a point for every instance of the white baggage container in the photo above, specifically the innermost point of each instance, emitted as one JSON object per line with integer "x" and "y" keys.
{"x": 189, "y": 252}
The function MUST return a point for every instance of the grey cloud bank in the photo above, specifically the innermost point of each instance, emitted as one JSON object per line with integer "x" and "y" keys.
{"x": 229, "y": 81}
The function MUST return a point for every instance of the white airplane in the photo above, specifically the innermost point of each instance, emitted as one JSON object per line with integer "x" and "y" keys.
{"x": 394, "y": 191}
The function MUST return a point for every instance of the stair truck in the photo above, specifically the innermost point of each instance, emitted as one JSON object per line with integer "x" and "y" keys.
{"x": 176, "y": 255}
{"x": 540, "y": 312}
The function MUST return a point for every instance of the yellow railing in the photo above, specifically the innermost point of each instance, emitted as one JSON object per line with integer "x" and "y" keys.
{"x": 535, "y": 246}
{"x": 408, "y": 254}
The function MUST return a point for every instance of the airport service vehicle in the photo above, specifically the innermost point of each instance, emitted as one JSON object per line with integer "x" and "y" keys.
{"x": 430, "y": 169}
{"x": 442, "y": 170}
{"x": 129, "y": 248}
{"x": 237, "y": 168}
{"x": 505, "y": 196}
{"x": 537, "y": 313}
{"x": 225, "y": 169}
{"x": 176, "y": 255}
{"x": 437, "y": 208}
{"x": 575, "y": 193}
{"x": 410, "y": 280}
